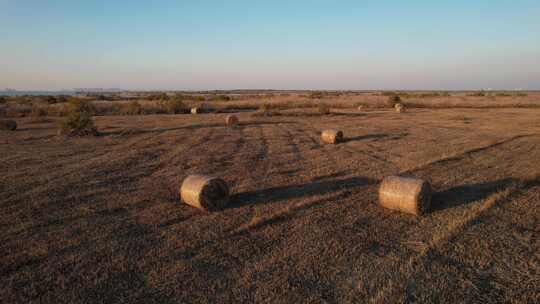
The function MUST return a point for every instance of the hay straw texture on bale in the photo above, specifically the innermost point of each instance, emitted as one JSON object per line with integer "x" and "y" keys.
{"x": 204, "y": 192}
{"x": 409, "y": 195}
{"x": 332, "y": 136}
{"x": 231, "y": 120}
{"x": 10, "y": 125}
{"x": 195, "y": 110}
{"x": 399, "y": 107}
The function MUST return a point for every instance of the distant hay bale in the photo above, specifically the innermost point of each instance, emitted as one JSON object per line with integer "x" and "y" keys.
{"x": 204, "y": 192}
{"x": 410, "y": 195}
{"x": 332, "y": 136}
{"x": 195, "y": 110}
{"x": 400, "y": 108}
{"x": 231, "y": 120}
{"x": 10, "y": 125}
{"x": 360, "y": 107}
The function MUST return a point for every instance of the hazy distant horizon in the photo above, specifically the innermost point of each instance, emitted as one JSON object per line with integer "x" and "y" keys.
{"x": 305, "y": 45}
{"x": 16, "y": 92}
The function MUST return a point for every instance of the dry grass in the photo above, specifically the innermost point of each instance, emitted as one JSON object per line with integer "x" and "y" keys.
{"x": 180, "y": 103}
{"x": 99, "y": 219}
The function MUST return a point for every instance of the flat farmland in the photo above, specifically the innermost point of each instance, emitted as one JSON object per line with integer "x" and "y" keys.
{"x": 99, "y": 219}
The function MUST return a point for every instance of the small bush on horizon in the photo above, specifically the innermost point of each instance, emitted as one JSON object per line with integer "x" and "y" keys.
{"x": 316, "y": 95}
{"x": 81, "y": 105}
{"x": 266, "y": 110}
{"x": 172, "y": 106}
{"x": 133, "y": 108}
{"x": 392, "y": 100}
{"x": 221, "y": 97}
{"x": 38, "y": 111}
{"x": 78, "y": 121}
{"x": 480, "y": 93}
{"x": 323, "y": 108}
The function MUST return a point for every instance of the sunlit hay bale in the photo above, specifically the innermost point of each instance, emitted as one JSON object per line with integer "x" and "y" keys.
{"x": 195, "y": 110}
{"x": 231, "y": 120}
{"x": 408, "y": 195}
{"x": 331, "y": 136}
{"x": 400, "y": 108}
{"x": 8, "y": 124}
{"x": 360, "y": 107}
{"x": 204, "y": 192}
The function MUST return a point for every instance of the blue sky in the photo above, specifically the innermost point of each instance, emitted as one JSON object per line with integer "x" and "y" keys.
{"x": 64, "y": 44}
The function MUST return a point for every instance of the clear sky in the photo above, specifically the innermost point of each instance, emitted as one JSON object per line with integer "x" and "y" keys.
{"x": 200, "y": 44}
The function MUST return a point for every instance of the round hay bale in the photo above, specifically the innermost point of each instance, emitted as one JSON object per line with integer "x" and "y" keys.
{"x": 409, "y": 195}
{"x": 360, "y": 108}
{"x": 231, "y": 120}
{"x": 195, "y": 110}
{"x": 399, "y": 107}
{"x": 204, "y": 192}
{"x": 10, "y": 125}
{"x": 332, "y": 136}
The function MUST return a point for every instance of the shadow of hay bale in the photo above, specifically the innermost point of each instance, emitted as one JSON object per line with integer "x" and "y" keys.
{"x": 276, "y": 194}
{"x": 365, "y": 137}
{"x": 466, "y": 194}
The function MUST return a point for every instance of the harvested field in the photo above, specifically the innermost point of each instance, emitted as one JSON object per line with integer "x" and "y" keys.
{"x": 99, "y": 219}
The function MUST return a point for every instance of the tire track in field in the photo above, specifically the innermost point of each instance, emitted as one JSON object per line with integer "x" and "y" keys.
{"x": 465, "y": 153}
{"x": 162, "y": 183}
{"x": 373, "y": 156}
{"x": 120, "y": 170}
{"x": 59, "y": 172}
{"x": 290, "y": 139}
{"x": 297, "y": 161}
{"x": 76, "y": 164}
{"x": 117, "y": 176}
{"x": 315, "y": 141}
{"x": 241, "y": 172}
{"x": 269, "y": 152}
{"x": 331, "y": 162}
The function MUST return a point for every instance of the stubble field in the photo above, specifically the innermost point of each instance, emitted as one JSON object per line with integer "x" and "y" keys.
{"x": 98, "y": 219}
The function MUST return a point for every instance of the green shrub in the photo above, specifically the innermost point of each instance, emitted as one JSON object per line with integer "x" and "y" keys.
{"x": 78, "y": 121}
